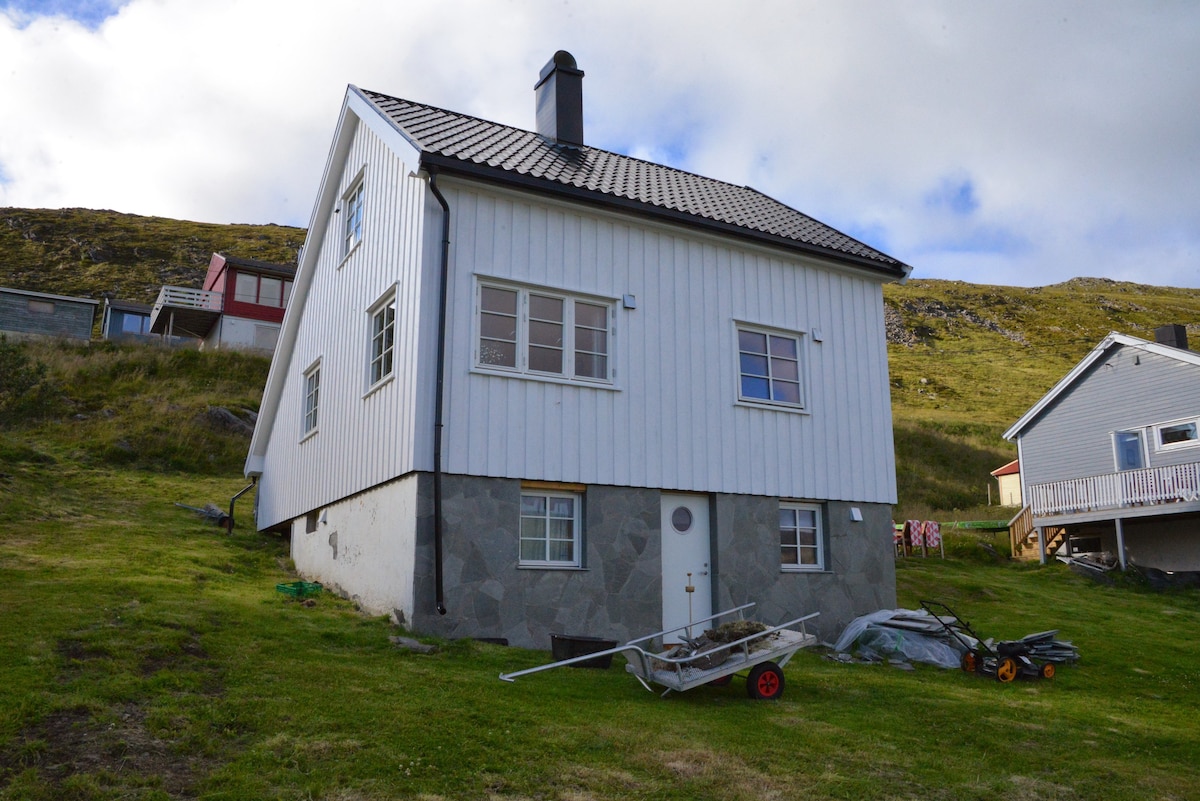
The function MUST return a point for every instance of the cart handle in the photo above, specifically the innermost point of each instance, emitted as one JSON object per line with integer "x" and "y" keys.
{"x": 563, "y": 663}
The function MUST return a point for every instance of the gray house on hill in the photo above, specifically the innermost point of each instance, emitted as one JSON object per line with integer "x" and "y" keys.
{"x": 525, "y": 386}
{"x": 1110, "y": 457}
{"x": 38, "y": 314}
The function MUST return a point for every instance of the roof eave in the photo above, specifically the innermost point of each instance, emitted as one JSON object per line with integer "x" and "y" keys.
{"x": 498, "y": 175}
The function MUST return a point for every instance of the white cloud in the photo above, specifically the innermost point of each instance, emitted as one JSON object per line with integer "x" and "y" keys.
{"x": 1073, "y": 127}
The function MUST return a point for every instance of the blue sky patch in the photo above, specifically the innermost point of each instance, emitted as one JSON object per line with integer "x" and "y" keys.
{"x": 89, "y": 13}
{"x": 982, "y": 239}
{"x": 954, "y": 194}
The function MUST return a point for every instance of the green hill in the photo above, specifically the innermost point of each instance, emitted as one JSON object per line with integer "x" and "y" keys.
{"x": 966, "y": 359}
{"x": 97, "y": 254}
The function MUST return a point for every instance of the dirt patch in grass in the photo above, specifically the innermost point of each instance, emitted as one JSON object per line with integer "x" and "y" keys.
{"x": 118, "y": 747}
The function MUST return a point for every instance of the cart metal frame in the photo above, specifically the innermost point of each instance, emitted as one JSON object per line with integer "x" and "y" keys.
{"x": 765, "y": 660}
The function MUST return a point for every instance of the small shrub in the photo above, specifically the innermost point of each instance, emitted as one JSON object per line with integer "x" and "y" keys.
{"x": 25, "y": 391}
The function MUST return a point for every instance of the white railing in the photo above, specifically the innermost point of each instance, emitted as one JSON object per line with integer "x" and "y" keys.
{"x": 182, "y": 297}
{"x": 1116, "y": 490}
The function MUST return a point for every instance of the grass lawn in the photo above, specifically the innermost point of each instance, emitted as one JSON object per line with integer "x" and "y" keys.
{"x": 146, "y": 655}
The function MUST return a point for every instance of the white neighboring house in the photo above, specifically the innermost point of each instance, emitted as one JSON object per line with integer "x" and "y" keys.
{"x": 1110, "y": 456}
{"x": 528, "y": 386}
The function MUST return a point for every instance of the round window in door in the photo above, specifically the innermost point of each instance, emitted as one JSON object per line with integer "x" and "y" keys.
{"x": 681, "y": 519}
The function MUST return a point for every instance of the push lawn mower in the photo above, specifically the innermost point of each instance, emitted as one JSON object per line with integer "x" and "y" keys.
{"x": 1007, "y": 661}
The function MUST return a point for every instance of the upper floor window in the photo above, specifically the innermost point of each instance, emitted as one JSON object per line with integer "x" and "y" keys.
{"x": 263, "y": 290}
{"x": 801, "y": 540}
{"x": 769, "y": 366}
{"x": 1130, "y": 449}
{"x": 352, "y": 218}
{"x": 541, "y": 332}
{"x": 312, "y": 397}
{"x": 1180, "y": 434}
{"x": 550, "y": 524}
{"x": 383, "y": 339}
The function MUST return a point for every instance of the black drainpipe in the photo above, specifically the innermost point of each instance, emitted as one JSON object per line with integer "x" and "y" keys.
{"x": 438, "y": 396}
{"x": 233, "y": 500}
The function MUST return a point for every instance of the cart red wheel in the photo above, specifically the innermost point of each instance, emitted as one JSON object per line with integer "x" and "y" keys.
{"x": 1047, "y": 670}
{"x": 1006, "y": 669}
{"x": 722, "y": 681}
{"x": 765, "y": 682}
{"x": 969, "y": 663}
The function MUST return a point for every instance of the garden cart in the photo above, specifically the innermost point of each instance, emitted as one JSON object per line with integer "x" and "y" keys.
{"x": 761, "y": 654}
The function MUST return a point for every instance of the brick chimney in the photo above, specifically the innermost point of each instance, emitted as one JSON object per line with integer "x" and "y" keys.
{"x": 559, "y": 95}
{"x": 1173, "y": 335}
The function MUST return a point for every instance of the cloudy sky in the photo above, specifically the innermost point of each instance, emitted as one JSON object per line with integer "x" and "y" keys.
{"x": 1005, "y": 142}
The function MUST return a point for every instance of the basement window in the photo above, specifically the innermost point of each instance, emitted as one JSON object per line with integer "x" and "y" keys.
{"x": 550, "y": 529}
{"x": 801, "y": 539}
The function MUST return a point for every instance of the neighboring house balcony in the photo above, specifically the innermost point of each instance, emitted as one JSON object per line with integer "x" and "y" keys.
{"x": 1130, "y": 493}
{"x": 180, "y": 311}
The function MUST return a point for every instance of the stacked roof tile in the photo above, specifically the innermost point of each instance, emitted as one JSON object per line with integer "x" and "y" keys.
{"x": 515, "y": 152}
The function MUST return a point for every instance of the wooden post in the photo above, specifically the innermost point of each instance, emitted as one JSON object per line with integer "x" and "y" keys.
{"x": 1121, "y": 543}
{"x": 1041, "y": 532}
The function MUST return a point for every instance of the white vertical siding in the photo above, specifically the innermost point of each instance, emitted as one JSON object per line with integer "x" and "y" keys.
{"x": 362, "y": 440}
{"x": 672, "y": 421}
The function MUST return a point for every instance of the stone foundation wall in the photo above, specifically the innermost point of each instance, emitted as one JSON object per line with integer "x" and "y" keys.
{"x": 618, "y": 592}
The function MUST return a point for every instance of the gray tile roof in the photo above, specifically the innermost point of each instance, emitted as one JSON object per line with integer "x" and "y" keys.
{"x": 504, "y": 153}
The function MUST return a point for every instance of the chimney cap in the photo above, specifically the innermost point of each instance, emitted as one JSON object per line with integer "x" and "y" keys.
{"x": 562, "y": 60}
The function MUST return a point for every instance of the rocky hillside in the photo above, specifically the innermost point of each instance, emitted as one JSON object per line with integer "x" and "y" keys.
{"x": 99, "y": 254}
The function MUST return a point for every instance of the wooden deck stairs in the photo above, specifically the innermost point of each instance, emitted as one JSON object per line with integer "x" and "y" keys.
{"x": 1023, "y": 537}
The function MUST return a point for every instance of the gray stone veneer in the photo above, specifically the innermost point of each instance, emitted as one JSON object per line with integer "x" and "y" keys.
{"x": 617, "y": 593}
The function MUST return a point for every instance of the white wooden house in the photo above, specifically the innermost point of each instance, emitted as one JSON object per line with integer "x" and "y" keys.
{"x": 528, "y": 386}
{"x": 1110, "y": 456}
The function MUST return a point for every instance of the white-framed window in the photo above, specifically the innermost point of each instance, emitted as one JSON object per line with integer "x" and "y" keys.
{"x": 261, "y": 290}
{"x": 801, "y": 538}
{"x": 770, "y": 367}
{"x": 352, "y": 217}
{"x": 550, "y": 529}
{"x": 312, "y": 397}
{"x": 383, "y": 339}
{"x": 1177, "y": 434}
{"x": 1129, "y": 449}
{"x": 543, "y": 332}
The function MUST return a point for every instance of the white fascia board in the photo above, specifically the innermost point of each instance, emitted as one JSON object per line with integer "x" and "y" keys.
{"x": 281, "y": 362}
{"x": 1097, "y": 352}
{"x": 383, "y": 126}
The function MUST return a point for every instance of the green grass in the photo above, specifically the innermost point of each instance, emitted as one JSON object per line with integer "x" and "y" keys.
{"x": 145, "y": 654}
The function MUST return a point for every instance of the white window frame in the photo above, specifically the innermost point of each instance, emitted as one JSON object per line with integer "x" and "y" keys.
{"x": 381, "y": 352}
{"x": 819, "y": 548}
{"x": 311, "y": 406}
{"x": 576, "y": 519}
{"x": 801, "y": 379}
{"x": 572, "y": 328}
{"x": 1143, "y": 450}
{"x": 1193, "y": 422}
{"x": 352, "y": 216}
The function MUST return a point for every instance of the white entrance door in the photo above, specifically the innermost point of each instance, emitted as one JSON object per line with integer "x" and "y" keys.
{"x": 685, "y": 549}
